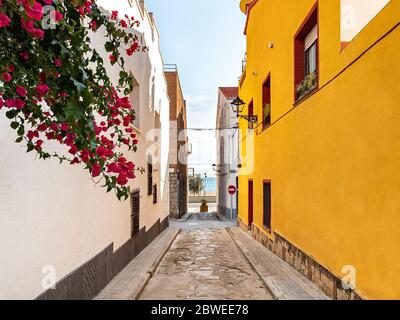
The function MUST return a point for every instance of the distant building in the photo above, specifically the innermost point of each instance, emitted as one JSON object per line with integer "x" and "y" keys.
{"x": 227, "y": 151}
{"x": 178, "y": 155}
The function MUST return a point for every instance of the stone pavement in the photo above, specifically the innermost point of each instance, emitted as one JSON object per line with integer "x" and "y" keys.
{"x": 283, "y": 281}
{"x": 205, "y": 264}
{"x": 205, "y": 258}
{"x": 130, "y": 282}
{"x": 203, "y": 220}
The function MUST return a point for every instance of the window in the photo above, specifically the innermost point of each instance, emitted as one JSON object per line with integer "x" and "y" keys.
{"x": 135, "y": 98}
{"x": 155, "y": 194}
{"x": 310, "y": 48}
{"x": 250, "y": 203}
{"x": 266, "y": 105}
{"x": 267, "y": 204}
{"x": 306, "y": 55}
{"x": 251, "y": 109}
{"x": 149, "y": 175}
{"x": 135, "y": 212}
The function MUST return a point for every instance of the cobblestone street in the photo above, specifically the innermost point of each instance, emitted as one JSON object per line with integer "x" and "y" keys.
{"x": 205, "y": 263}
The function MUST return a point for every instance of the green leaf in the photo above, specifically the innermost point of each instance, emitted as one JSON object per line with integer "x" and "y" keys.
{"x": 14, "y": 125}
{"x": 11, "y": 114}
{"x": 80, "y": 86}
{"x": 74, "y": 110}
{"x": 21, "y": 131}
{"x": 19, "y": 139}
{"x": 30, "y": 147}
{"x": 109, "y": 46}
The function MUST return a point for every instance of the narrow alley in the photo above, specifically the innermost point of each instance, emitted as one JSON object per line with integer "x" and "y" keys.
{"x": 204, "y": 263}
{"x": 206, "y": 257}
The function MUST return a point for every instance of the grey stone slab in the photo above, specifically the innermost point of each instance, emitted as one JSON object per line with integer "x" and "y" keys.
{"x": 283, "y": 281}
{"x": 129, "y": 283}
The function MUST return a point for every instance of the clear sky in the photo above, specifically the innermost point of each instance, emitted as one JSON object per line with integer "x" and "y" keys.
{"x": 205, "y": 39}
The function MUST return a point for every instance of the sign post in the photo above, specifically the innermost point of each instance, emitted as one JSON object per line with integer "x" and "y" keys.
{"x": 232, "y": 191}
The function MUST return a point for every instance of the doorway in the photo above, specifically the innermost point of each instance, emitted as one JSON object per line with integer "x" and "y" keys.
{"x": 251, "y": 204}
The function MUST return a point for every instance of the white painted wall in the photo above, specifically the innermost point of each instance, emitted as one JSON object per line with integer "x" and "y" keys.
{"x": 227, "y": 165}
{"x": 356, "y": 14}
{"x": 55, "y": 215}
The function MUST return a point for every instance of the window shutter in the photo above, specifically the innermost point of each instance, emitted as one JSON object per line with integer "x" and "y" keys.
{"x": 135, "y": 213}
{"x": 311, "y": 38}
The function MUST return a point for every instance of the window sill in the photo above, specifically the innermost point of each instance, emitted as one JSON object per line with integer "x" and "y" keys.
{"x": 265, "y": 128}
{"x": 268, "y": 229}
{"x": 305, "y": 97}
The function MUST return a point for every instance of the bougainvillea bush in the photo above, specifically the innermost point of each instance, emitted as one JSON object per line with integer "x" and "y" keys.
{"x": 55, "y": 89}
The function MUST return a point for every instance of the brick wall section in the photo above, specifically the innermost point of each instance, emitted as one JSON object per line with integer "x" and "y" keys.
{"x": 304, "y": 264}
{"x": 173, "y": 196}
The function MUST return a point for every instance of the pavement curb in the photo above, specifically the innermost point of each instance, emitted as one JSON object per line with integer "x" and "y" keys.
{"x": 184, "y": 218}
{"x": 275, "y": 292}
{"x": 150, "y": 273}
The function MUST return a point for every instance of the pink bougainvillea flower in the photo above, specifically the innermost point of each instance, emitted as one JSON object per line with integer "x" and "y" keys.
{"x": 75, "y": 161}
{"x": 88, "y": 6}
{"x": 21, "y": 91}
{"x": 48, "y": 2}
{"x": 32, "y": 134}
{"x": 73, "y": 149}
{"x": 54, "y": 126}
{"x": 112, "y": 58}
{"x": 124, "y": 103}
{"x": 58, "y": 62}
{"x": 11, "y": 68}
{"x": 42, "y": 77}
{"x": 124, "y": 24}
{"x": 42, "y": 127}
{"x": 42, "y": 89}
{"x": 58, "y": 16}
{"x": 1, "y": 103}
{"x": 27, "y": 25}
{"x": 34, "y": 11}
{"x": 38, "y": 145}
{"x": 122, "y": 180}
{"x": 15, "y": 103}
{"x": 6, "y": 77}
{"x": 96, "y": 170}
{"x": 81, "y": 11}
{"x": 38, "y": 33}
{"x": 64, "y": 127}
{"x": 4, "y": 20}
{"x": 114, "y": 15}
{"x": 63, "y": 94}
{"x": 93, "y": 25}
{"x": 24, "y": 55}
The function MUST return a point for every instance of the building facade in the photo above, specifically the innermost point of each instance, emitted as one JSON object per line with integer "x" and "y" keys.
{"x": 227, "y": 136}
{"x": 323, "y": 192}
{"x": 178, "y": 156}
{"x": 67, "y": 228}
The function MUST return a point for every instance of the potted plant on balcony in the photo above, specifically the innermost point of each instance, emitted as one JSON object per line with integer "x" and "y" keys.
{"x": 266, "y": 113}
{"x": 204, "y": 206}
{"x": 307, "y": 85}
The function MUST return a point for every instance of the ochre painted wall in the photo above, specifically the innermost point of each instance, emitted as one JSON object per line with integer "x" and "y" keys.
{"x": 334, "y": 159}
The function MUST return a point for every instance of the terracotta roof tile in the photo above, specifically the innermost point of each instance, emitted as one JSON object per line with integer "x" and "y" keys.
{"x": 229, "y": 92}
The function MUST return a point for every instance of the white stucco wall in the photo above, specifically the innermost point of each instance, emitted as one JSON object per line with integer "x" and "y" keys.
{"x": 228, "y": 138}
{"x": 356, "y": 14}
{"x": 55, "y": 215}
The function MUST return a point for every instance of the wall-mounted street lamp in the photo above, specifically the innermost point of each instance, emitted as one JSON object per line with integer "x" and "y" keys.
{"x": 238, "y": 107}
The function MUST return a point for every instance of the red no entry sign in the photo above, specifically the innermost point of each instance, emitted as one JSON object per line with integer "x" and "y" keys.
{"x": 232, "y": 190}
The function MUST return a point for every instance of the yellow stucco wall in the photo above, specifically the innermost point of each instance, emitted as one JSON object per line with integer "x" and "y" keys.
{"x": 334, "y": 159}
